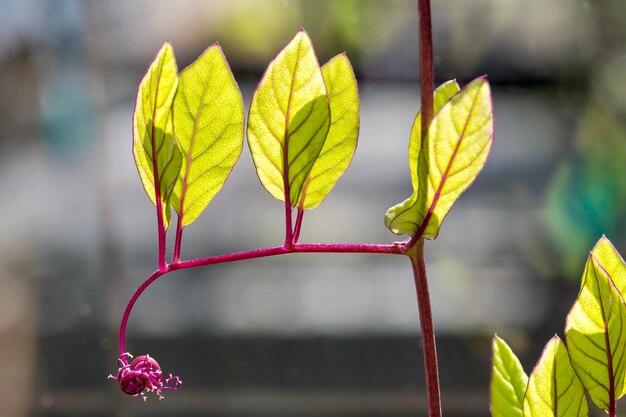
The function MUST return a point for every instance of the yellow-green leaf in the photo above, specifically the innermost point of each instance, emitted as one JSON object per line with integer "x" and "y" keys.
{"x": 508, "y": 381}
{"x": 596, "y": 335}
{"x": 612, "y": 262}
{"x": 455, "y": 149}
{"x": 401, "y": 218}
{"x": 554, "y": 390}
{"x": 289, "y": 119}
{"x": 341, "y": 140}
{"x": 152, "y": 129}
{"x": 208, "y": 126}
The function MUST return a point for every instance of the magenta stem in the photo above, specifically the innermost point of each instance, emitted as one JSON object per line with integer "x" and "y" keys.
{"x": 288, "y": 221}
{"x": 428, "y": 331}
{"x": 296, "y": 231}
{"x": 178, "y": 241}
{"x": 159, "y": 210}
{"x": 161, "y": 257}
{"x": 253, "y": 254}
{"x": 131, "y": 304}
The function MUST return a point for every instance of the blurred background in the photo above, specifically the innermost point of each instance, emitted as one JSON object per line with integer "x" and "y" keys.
{"x": 301, "y": 335}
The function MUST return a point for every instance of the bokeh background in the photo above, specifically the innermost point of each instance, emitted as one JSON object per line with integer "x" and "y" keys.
{"x": 299, "y": 335}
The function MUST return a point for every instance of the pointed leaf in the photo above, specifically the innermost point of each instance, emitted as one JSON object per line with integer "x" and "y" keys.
{"x": 152, "y": 129}
{"x": 208, "y": 123}
{"x": 341, "y": 140}
{"x": 596, "y": 336}
{"x": 508, "y": 381}
{"x": 612, "y": 262}
{"x": 455, "y": 150}
{"x": 402, "y": 216}
{"x": 554, "y": 390}
{"x": 289, "y": 119}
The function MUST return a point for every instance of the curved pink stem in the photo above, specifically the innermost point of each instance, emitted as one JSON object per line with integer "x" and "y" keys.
{"x": 253, "y": 254}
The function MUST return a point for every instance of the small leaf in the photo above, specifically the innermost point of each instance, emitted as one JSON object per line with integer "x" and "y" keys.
{"x": 152, "y": 128}
{"x": 289, "y": 119}
{"x": 455, "y": 150}
{"x": 342, "y": 136}
{"x": 402, "y": 216}
{"x": 612, "y": 262}
{"x": 554, "y": 390}
{"x": 208, "y": 123}
{"x": 596, "y": 335}
{"x": 508, "y": 381}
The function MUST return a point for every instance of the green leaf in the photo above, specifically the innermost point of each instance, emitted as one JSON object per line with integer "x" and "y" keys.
{"x": 508, "y": 381}
{"x": 152, "y": 129}
{"x": 455, "y": 150}
{"x": 341, "y": 140}
{"x": 402, "y": 216}
{"x": 208, "y": 125}
{"x": 611, "y": 261}
{"x": 289, "y": 119}
{"x": 554, "y": 390}
{"x": 596, "y": 335}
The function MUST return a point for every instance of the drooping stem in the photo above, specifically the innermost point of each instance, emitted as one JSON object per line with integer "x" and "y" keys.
{"x": 130, "y": 306}
{"x": 298, "y": 227}
{"x": 253, "y": 254}
{"x": 428, "y": 331}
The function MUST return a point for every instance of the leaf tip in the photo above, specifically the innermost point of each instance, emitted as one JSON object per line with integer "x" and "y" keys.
{"x": 603, "y": 239}
{"x": 166, "y": 45}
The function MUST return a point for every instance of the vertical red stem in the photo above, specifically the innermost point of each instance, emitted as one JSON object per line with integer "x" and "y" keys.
{"x": 427, "y": 89}
{"x": 427, "y": 70}
{"x": 428, "y": 331}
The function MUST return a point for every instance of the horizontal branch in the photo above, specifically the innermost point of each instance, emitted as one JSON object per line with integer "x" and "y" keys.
{"x": 393, "y": 249}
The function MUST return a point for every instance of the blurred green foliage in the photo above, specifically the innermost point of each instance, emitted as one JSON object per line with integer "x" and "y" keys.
{"x": 587, "y": 194}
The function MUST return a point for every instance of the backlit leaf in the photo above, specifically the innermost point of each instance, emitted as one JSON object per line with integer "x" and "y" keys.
{"x": 152, "y": 128}
{"x": 455, "y": 150}
{"x": 612, "y": 262}
{"x": 554, "y": 390}
{"x": 402, "y": 216}
{"x": 208, "y": 126}
{"x": 289, "y": 119}
{"x": 508, "y": 381}
{"x": 342, "y": 136}
{"x": 596, "y": 335}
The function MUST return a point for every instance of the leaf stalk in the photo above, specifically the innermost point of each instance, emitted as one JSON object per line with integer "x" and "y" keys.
{"x": 298, "y": 227}
{"x": 393, "y": 249}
